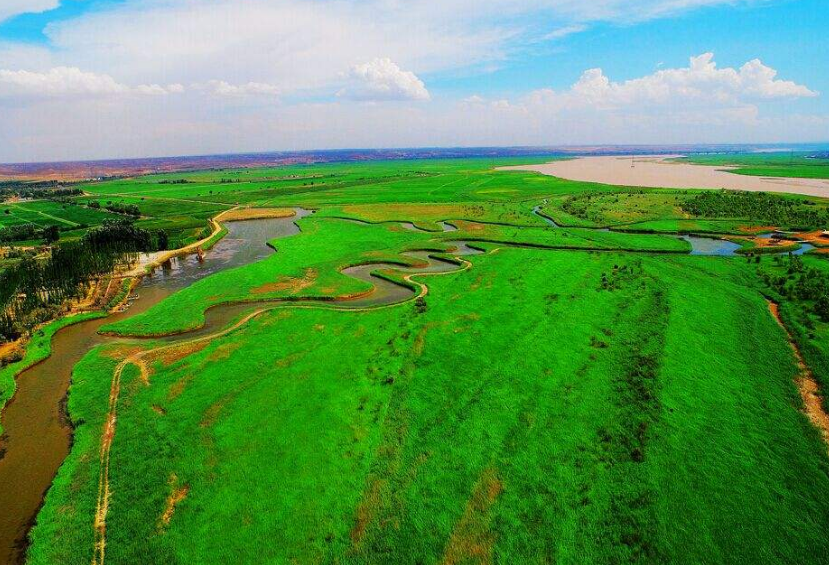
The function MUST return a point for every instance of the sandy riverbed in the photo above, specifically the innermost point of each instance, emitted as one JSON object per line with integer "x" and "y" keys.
{"x": 656, "y": 172}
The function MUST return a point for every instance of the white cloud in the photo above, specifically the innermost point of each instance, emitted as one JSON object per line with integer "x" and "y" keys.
{"x": 701, "y": 84}
{"x": 223, "y": 88}
{"x": 69, "y": 82}
{"x": 474, "y": 99}
{"x": 59, "y": 81}
{"x": 11, "y": 8}
{"x": 247, "y": 54}
{"x": 563, "y": 32}
{"x": 382, "y": 79}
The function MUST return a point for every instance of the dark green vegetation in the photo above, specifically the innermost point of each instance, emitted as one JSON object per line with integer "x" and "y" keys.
{"x": 758, "y": 207}
{"x": 34, "y": 290}
{"x": 780, "y": 164}
{"x": 576, "y": 396}
{"x": 686, "y": 211}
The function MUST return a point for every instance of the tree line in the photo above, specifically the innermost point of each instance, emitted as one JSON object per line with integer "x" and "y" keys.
{"x": 759, "y": 207}
{"x": 34, "y": 290}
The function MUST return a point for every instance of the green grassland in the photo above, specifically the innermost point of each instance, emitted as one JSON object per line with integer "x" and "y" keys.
{"x": 782, "y": 164}
{"x": 636, "y": 431}
{"x": 575, "y": 396}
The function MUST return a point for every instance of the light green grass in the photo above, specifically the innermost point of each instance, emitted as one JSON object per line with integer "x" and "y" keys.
{"x": 784, "y": 164}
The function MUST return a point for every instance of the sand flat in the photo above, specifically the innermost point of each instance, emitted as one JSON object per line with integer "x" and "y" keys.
{"x": 660, "y": 172}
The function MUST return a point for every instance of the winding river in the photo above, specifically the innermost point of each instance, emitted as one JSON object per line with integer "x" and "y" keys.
{"x": 38, "y": 436}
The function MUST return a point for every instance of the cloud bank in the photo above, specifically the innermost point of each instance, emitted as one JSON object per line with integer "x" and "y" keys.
{"x": 11, "y": 8}
{"x": 177, "y": 76}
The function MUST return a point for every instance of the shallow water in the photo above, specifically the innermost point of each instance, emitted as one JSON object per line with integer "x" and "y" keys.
{"x": 711, "y": 247}
{"x": 549, "y": 221}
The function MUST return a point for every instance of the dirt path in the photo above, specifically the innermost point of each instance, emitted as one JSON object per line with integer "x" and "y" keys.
{"x": 659, "y": 172}
{"x": 806, "y": 384}
{"x": 137, "y": 359}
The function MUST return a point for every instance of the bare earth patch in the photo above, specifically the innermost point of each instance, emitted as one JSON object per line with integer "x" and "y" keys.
{"x": 292, "y": 284}
{"x": 472, "y": 539}
{"x": 176, "y": 496}
{"x": 806, "y": 384}
{"x": 240, "y": 214}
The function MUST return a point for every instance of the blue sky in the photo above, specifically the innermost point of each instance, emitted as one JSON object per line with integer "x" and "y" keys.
{"x": 114, "y": 78}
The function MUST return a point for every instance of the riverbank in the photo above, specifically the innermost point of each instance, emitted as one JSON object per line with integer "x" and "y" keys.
{"x": 37, "y": 424}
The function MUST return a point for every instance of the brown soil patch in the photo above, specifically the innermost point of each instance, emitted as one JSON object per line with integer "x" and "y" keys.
{"x": 764, "y": 243}
{"x": 178, "y": 387}
{"x": 816, "y": 238}
{"x": 223, "y": 351}
{"x": 240, "y": 214}
{"x": 372, "y": 499}
{"x": 170, "y": 355}
{"x": 806, "y": 384}
{"x": 399, "y": 212}
{"x": 211, "y": 415}
{"x": 288, "y": 361}
{"x": 121, "y": 352}
{"x": 472, "y": 539}
{"x": 176, "y": 496}
{"x": 470, "y": 226}
{"x": 292, "y": 284}
{"x": 420, "y": 342}
{"x": 756, "y": 229}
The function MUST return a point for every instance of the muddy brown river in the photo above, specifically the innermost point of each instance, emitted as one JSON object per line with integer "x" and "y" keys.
{"x": 38, "y": 436}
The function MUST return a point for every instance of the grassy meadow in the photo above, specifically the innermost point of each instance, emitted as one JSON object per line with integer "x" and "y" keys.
{"x": 576, "y": 395}
{"x": 776, "y": 164}
{"x": 626, "y": 424}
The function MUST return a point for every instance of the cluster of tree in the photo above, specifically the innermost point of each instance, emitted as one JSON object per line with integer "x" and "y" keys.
{"x": 174, "y": 181}
{"x": 33, "y": 290}
{"x": 29, "y": 232}
{"x": 801, "y": 283}
{"x": 35, "y": 189}
{"x": 118, "y": 208}
{"x": 759, "y": 207}
{"x": 20, "y": 232}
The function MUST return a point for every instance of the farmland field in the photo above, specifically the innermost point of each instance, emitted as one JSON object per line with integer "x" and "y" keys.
{"x": 555, "y": 380}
